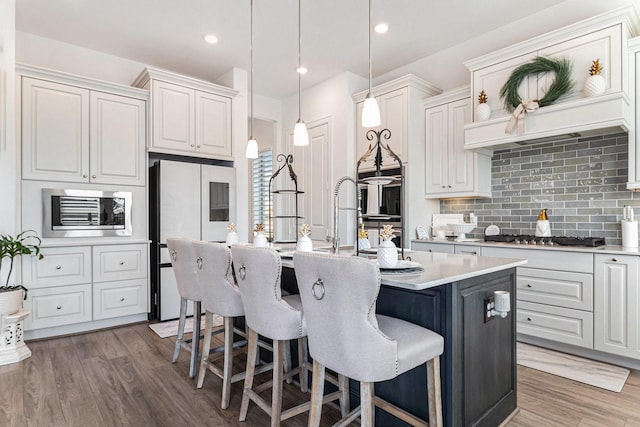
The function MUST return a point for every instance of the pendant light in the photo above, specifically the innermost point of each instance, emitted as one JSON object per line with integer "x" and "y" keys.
{"x": 252, "y": 145}
{"x": 300, "y": 134}
{"x": 370, "y": 110}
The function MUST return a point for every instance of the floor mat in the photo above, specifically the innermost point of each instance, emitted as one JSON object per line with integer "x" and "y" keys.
{"x": 575, "y": 368}
{"x": 170, "y": 328}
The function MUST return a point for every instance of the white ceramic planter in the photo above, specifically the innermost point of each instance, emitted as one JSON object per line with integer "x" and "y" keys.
{"x": 10, "y": 302}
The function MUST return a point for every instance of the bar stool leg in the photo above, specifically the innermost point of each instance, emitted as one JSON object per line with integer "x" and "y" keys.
{"x": 205, "y": 349}
{"x": 303, "y": 364}
{"x": 195, "y": 340}
{"x": 276, "y": 392}
{"x": 252, "y": 350}
{"x": 367, "y": 407}
{"x": 181, "y": 321}
{"x": 343, "y": 386}
{"x": 434, "y": 392}
{"x": 228, "y": 361}
{"x": 317, "y": 392}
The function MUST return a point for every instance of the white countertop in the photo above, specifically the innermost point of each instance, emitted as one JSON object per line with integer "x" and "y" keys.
{"x": 441, "y": 268}
{"x": 608, "y": 249}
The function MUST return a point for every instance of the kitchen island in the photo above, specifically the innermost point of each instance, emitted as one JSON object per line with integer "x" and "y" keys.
{"x": 478, "y": 366}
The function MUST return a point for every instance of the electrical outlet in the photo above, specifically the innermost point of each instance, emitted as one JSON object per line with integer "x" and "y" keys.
{"x": 489, "y": 304}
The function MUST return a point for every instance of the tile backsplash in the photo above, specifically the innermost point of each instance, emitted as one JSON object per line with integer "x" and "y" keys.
{"x": 581, "y": 182}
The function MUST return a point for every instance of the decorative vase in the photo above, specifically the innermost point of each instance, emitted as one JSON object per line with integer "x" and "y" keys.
{"x": 304, "y": 244}
{"x": 387, "y": 254}
{"x": 259, "y": 240}
{"x": 10, "y": 302}
{"x": 594, "y": 85}
{"x": 483, "y": 112}
{"x": 232, "y": 238}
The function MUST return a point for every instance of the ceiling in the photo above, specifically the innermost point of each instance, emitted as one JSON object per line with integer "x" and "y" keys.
{"x": 424, "y": 35}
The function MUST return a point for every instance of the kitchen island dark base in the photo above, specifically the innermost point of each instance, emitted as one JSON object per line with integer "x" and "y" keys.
{"x": 478, "y": 367}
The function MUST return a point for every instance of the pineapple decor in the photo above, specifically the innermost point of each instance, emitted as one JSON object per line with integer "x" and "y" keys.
{"x": 259, "y": 239}
{"x": 232, "y": 235}
{"x": 483, "y": 110}
{"x": 595, "y": 84}
{"x": 363, "y": 239}
{"x": 387, "y": 253}
{"x": 304, "y": 241}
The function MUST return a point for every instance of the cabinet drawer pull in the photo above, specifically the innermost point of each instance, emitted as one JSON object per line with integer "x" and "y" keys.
{"x": 614, "y": 259}
{"x": 529, "y": 285}
{"x": 430, "y": 250}
{"x": 528, "y": 319}
{"x": 58, "y": 267}
{"x": 59, "y": 307}
{"x": 121, "y": 299}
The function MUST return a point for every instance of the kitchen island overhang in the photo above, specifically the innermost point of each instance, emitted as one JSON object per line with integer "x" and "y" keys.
{"x": 478, "y": 366}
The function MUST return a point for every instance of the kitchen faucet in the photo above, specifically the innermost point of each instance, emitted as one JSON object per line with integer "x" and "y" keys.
{"x": 335, "y": 239}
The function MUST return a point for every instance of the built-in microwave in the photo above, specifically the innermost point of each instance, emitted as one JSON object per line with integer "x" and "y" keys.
{"x": 86, "y": 213}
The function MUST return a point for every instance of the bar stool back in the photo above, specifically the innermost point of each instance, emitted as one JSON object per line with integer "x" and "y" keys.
{"x": 221, "y": 296}
{"x": 345, "y": 335}
{"x": 183, "y": 262}
{"x": 269, "y": 314}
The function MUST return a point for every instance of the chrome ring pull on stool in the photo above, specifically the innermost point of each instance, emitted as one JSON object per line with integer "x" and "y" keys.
{"x": 347, "y": 336}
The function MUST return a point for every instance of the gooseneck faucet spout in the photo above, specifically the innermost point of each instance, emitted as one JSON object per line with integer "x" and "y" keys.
{"x": 335, "y": 239}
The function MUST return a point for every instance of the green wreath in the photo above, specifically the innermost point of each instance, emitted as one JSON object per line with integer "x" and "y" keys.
{"x": 561, "y": 85}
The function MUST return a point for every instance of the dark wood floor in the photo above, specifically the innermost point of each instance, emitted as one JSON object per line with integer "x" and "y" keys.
{"x": 124, "y": 377}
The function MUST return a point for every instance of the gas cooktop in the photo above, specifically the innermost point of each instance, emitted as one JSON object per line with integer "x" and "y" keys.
{"x": 526, "y": 239}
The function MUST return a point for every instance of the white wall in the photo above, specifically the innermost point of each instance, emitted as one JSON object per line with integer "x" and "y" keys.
{"x": 8, "y": 145}
{"x": 330, "y": 100}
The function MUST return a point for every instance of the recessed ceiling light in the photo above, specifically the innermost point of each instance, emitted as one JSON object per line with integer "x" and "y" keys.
{"x": 301, "y": 70}
{"x": 381, "y": 28}
{"x": 210, "y": 38}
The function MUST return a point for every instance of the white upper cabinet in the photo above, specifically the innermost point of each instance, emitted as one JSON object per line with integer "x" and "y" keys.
{"x": 188, "y": 116}
{"x": 72, "y": 133}
{"x": 450, "y": 170}
{"x": 634, "y": 137}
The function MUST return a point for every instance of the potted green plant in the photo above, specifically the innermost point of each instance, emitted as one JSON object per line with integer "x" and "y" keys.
{"x": 25, "y": 243}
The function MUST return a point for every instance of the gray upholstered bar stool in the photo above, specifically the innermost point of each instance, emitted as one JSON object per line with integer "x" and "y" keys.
{"x": 345, "y": 335}
{"x": 221, "y": 296}
{"x": 269, "y": 314}
{"x": 184, "y": 267}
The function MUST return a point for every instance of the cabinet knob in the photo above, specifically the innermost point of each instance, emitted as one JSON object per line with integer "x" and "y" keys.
{"x": 614, "y": 259}
{"x": 84, "y": 175}
{"x": 528, "y": 319}
{"x": 193, "y": 145}
{"x": 121, "y": 299}
{"x": 94, "y": 176}
{"x": 121, "y": 262}
{"x": 430, "y": 250}
{"x": 58, "y": 267}
{"x": 444, "y": 186}
{"x": 197, "y": 146}
{"x": 529, "y": 285}
{"x": 449, "y": 186}
{"x": 59, "y": 307}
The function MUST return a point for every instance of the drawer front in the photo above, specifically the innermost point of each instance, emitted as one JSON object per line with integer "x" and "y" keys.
{"x": 468, "y": 250}
{"x": 59, "y": 267}
{"x": 119, "y": 298}
{"x": 558, "y": 288}
{"x": 119, "y": 262}
{"x": 59, "y": 306}
{"x": 564, "y": 325}
{"x": 432, "y": 247}
{"x": 547, "y": 259}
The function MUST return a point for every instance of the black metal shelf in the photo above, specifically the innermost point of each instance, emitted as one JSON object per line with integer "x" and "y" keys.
{"x": 287, "y": 161}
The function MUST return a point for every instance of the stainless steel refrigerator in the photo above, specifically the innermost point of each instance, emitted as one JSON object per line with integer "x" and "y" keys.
{"x": 185, "y": 200}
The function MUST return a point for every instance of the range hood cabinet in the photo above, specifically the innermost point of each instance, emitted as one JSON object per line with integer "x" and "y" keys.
{"x": 598, "y": 115}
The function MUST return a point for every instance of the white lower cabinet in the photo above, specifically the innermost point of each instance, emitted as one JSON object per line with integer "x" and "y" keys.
{"x": 77, "y": 284}
{"x": 617, "y": 299}
{"x": 554, "y": 323}
{"x": 467, "y": 250}
{"x": 58, "y": 306}
{"x": 432, "y": 247}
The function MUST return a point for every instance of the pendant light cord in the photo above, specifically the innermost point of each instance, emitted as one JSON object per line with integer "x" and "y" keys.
{"x": 251, "y": 72}
{"x": 369, "y": 32}
{"x": 299, "y": 61}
